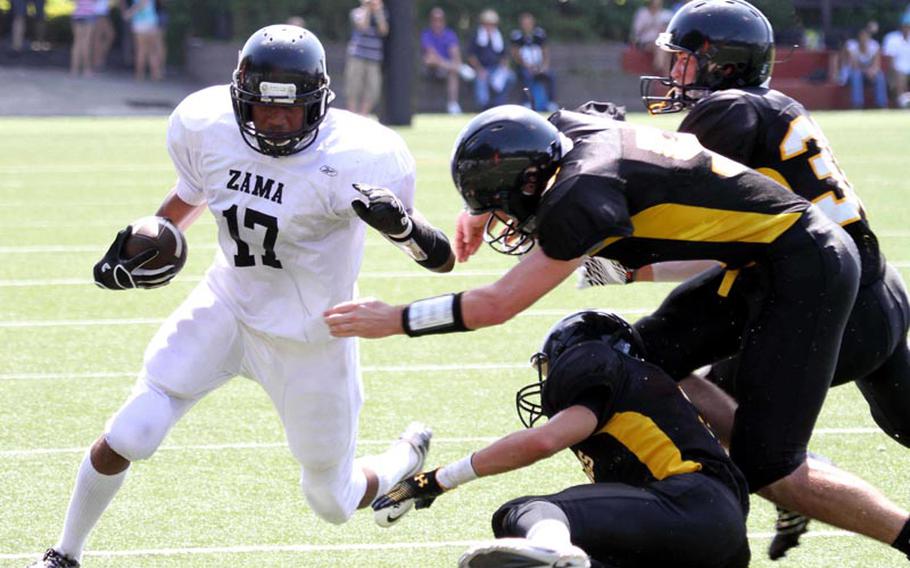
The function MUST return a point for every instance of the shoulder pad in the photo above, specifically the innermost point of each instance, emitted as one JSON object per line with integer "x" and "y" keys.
{"x": 582, "y": 367}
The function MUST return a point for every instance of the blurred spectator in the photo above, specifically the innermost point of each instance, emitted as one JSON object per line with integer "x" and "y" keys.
{"x": 491, "y": 62}
{"x": 532, "y": 59}
{"x": 83, "y": 22}
{"x": 102, "y": 34}
{"x": 896, "y": 47}
{"x": 363, "y": 67}
{"x": 146, "y": 45}
{"x": 296, "y": 21}
{"x": 161, "y": 10}
{"x": 648, "y": 23}
{"x": 865, "y": 66}
{"x": 19, "y": 9}
{"x": 442, "y": 57}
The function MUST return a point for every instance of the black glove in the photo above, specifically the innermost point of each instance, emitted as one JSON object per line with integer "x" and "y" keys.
{"x": 113, "y": 272}
{"x": 382, "y": 210}
{"x": 423, "y": 489}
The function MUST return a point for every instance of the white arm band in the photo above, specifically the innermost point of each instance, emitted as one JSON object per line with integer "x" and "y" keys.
{"x": 456, "y": 473}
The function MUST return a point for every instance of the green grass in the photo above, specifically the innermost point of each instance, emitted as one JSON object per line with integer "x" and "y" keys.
{"x": 74, "y": 182}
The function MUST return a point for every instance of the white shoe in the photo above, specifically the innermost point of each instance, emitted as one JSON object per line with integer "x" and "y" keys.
{"x": 452, "y": 107}
{"x": 467, "y": 72}
{"x": 521, "y": 553}
{"x": 418, "y": 436}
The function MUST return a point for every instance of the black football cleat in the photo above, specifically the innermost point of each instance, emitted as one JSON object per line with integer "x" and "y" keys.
{"x": 53, "y": 559}
{"x": 787, "y": 530}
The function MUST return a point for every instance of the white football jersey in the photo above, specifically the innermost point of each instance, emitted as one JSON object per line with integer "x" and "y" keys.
{"x": 290, "y": 245}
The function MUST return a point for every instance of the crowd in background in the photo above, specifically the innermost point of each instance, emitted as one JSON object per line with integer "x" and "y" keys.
{"x": 500, "y": 61}
{"x": 863, "y": 62}
{"x": 94, "y": 34}
{"x": 495, "y": 62}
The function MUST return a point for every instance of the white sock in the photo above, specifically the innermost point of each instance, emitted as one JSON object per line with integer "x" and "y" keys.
{"x": 551, "y": 534}
{"x": 91, "y": 496}
{"x": 391, "y": 465}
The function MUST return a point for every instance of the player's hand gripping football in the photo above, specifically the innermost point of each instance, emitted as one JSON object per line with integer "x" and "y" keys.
{"x": 114, "y": 272}
{"x": 382, "y": 210}
{"x": 422, "y": 489}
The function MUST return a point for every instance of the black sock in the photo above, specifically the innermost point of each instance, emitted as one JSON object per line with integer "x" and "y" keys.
{"x": 902, "y": 542}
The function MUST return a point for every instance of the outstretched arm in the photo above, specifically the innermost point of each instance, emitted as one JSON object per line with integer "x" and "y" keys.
{"x": 496, "y": 303}
{"x": 525, "y": 447}
{"x": 515, "y": 451}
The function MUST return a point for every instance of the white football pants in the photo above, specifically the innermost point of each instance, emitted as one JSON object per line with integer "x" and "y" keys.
{"x": 315, "y": 387}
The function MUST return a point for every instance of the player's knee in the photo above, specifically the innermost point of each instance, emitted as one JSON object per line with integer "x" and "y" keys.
{"x": 135, "y": 440}
{"x": 139, "y": 427}
{"x": 516, "y": 517}
{"x": 761, "y": 469}
{"x": 332, "y": 494}
{"x": 327, "y": 505}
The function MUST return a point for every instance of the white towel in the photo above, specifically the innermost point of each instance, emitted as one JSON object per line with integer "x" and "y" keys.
{"x": 494, "y": 39}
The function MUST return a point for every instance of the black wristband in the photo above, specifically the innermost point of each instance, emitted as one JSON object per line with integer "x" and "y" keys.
{"x": 427, "y": 245}
{"x": 440, "y": 314}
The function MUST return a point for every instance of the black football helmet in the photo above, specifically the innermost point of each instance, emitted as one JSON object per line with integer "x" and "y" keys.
{"x": 732, "y": 44}
{"x": 574, "y": 329}
{"x": 502, "y": 161}
{"x": 281, "y": 65}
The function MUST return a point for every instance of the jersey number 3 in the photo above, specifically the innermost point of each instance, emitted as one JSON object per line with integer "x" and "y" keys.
{"x": 251, "y": 218}
{"x": 841, "y": 205}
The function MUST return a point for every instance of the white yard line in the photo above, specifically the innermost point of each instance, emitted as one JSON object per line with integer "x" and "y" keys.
{"x": 20, "y": 324}
{"x": 231, "y": 446}
{"x": 87, "y": 168}
{"x": 311, "y": 548}
{"x": 381, "y": 275}
{"x": 417, "y": 368}
{"x": 283, "y": 445}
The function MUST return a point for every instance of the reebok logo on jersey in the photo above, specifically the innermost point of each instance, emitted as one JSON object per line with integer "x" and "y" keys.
{"x": 261, "y": 187}
{"x": 329, "y": 171}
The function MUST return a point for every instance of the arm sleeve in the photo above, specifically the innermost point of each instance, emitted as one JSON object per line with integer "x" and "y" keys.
{"x": 725, "y": 125}
{"x": 585, "y": 211}
{"x": 189, "y": 186}
{"x": 597, "y": 399}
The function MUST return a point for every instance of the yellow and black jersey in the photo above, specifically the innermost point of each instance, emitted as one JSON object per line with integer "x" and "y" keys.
{"x": 772, "y": 133}
{"x": 647, "y": 429}
{"x": 641, "y": 195}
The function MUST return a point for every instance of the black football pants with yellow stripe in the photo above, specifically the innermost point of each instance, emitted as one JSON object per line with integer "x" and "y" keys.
{"x": 690, "y": 520}
{"x": 786, "y": 320}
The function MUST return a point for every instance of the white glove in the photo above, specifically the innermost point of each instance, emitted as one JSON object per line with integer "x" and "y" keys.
{"x": 597, "y": 271}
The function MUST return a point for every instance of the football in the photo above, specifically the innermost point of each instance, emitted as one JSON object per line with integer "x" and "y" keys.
{"x": 160, "y": 234}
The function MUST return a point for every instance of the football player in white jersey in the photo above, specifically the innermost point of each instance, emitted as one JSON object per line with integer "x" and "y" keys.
{"x": 288, "y": 196}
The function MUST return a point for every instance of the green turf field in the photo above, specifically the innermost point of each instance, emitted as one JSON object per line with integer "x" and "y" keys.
{"x": 223, "y": 490}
